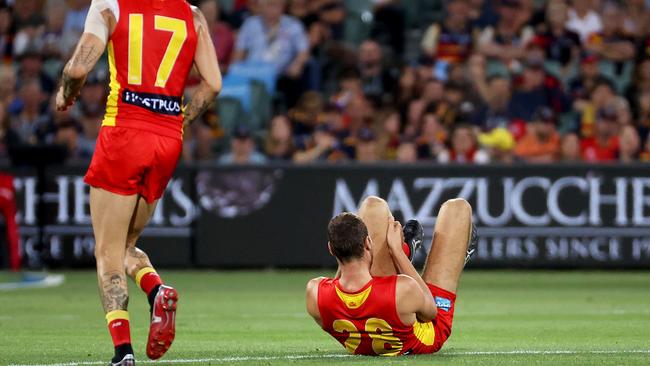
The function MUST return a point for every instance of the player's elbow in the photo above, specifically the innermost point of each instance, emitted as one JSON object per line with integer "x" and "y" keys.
{"x": 214, "y": 84}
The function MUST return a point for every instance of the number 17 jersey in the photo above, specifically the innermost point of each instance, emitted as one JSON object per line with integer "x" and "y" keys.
{"x": 150, "y": 54}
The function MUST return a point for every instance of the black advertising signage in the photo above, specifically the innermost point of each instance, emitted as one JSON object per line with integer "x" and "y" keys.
{"x": 527, "y": 216}
{"x": 68, "y": 239}
{"x": 276, "y": 216}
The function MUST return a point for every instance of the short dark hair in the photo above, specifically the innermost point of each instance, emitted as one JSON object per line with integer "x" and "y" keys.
{"x": 347, "y": 234}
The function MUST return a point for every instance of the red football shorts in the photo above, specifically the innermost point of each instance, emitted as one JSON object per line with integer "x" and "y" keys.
{"x": 128, "y": 161}
{"x": 445, "y": 302}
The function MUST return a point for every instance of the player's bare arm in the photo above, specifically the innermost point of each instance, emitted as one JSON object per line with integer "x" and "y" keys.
{"x": 312, "y": 299}
{"x": 205, "y": 60}
{"x": 90, "y": 48}
{"x": 409, "y": 299}
{"x": 427, "y": 310}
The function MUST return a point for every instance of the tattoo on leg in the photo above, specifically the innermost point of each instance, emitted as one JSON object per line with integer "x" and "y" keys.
{"x": 114, "y": 291}
{"x": 141, "y": 259}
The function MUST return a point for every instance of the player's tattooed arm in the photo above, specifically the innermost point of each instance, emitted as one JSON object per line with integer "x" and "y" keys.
{"x": 206, "y": 63}
{"x": 113, "y": 291}
{"x": 202, "y": 99}
{"x": 86, "y": 55}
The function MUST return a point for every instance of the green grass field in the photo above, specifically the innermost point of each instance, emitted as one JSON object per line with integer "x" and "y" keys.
{"x": 258, "y": 318}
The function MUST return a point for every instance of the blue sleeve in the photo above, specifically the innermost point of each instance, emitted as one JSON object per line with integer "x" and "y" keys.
{"x": 245, "y": 36}
{"x": 300, "y": 38}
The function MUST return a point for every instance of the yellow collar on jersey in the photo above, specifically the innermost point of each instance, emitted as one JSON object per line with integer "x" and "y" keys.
{"x": 354, "y": 301}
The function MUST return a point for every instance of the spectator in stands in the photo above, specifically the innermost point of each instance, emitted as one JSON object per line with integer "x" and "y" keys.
{"x": 8, "y": 79}
{"x": 323, "y": 146}
{"x": 610, "y": 43}
{"x": 433, "y": 92}
{"x": 541, "y": 144}
{"x": 536, "y": 89}
{"x": 76, "y": 16}
{"x": 583, "y": 19}
{"x": 644, "y": 155}
{"x": 278, "y": 39}
{"x": 588, "y": 78}
{"x": 602, "y": 96}
{"x": 8, "y": 137}
{"x": 64, "y": 129}
{"x": 483, "y": 13}
{"x": 331, "y": 15}
{"x": 407, "y": 152}
{"x": 388, "y": 130}
{"x": 604, "y": 145}
{"x": 323, "y": 19}
{"x": 570, "y": 148}
{"x": 30, "y": 124}
{"x": 407, "y": 89}
{"x": 359, "y": 113}
{"x": 432, "y": 138}
{"x": 308, "y": 113}
{"x": 450, "y": 41}
{"x": 57, "y": 43}
{"x": 279, "y": 144}
{"x": 243, "y": 150}
{"x": 389, "y": 25}
{"x": 200, "y": 138}
{"x": 561, "y": 44}
{"x": 90, "y": 110}
{"x": 26, "y": 14}
{"x": 507, "y": 40}
{"x": 378, "y": 82}
{"x": 463, "y": 148}
{"x": 623, "y": 111}
{"x": 31, "y": 67}
{"x": 222, "y": 36}
{"x": 455, "y": 105}
{"x": 6, "y": 37}
{"x": 638, "y": 91}
{"x": 630, "y": 144}
{"x": 495, "y": 92}
{"x": 366, "y": 149}
{"x": 499, "y": 144}
{"x": 636, "y": 19}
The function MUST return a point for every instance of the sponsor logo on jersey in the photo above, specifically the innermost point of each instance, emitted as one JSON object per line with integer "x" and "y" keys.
{"x": 443, "y": 303}
{"x": 157, "y": 103}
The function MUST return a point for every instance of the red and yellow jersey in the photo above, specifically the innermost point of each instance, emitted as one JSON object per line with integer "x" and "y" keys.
{"x": 367, "y": 322}
{"x": 150, "y": 56}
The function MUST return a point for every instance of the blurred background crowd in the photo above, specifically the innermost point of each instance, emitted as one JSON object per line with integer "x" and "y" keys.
{"x": 433, "y": 81}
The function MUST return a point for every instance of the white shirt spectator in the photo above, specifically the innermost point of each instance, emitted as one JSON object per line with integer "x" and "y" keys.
{"x": 584, "y": 26}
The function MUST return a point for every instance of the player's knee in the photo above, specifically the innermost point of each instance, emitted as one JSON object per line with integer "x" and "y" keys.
{"x": 373, "y": 202}
{"x": 458, "y": 206}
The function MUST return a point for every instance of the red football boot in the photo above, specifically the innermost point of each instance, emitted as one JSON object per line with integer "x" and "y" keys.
{"x": 163, "y": 322}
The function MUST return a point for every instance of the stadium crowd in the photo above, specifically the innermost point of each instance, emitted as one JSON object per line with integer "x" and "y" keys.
{"x": 465, "y": 81}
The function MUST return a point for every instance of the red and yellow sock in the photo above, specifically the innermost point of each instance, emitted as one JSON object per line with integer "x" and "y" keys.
{"x": 118, "y": 326}
{"x": 147, "y": 279}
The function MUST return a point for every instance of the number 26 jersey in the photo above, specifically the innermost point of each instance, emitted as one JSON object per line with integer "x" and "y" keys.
{"x": 367, "y": 322}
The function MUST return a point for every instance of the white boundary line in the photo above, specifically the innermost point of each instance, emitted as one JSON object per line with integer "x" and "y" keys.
{"x": 307, "y": 357}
